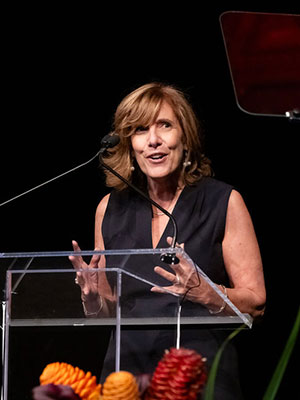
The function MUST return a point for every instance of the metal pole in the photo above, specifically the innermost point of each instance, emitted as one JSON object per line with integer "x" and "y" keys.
{"x": 118, "y": 320}
{"x": 5, "y": 336}
{"x": 3, "y": 327}
{"x": 178, "y": 324}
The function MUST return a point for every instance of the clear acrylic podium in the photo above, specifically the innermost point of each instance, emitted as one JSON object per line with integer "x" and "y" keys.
{"x": 41, "y": 292}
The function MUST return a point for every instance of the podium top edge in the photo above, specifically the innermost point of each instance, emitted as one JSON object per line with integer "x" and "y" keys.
{"x": 117, "y": 252}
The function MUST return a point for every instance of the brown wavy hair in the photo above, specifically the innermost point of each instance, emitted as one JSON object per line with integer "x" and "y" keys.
{"x": 141, "y": 108}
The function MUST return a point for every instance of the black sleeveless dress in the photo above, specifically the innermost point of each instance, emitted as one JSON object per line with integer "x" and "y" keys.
{"x": 200, "y": 213}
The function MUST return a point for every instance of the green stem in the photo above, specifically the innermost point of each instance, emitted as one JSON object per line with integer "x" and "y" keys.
{"x": 210, "y": 386}
{"x": 282, "y": 364}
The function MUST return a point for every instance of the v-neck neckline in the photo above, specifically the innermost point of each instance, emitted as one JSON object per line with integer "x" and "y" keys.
{"x": 167, "y": 227}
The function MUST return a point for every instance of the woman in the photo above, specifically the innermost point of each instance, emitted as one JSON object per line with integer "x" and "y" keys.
{"x": 161, "y": 151}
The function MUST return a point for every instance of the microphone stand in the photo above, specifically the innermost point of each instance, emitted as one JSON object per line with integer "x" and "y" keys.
{"x": 109, "y": 141}
{"x": 168, "y": 258}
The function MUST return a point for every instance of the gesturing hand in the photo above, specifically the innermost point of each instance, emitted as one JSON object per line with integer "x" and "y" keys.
{"x": 184, "y": 277}
{"x": 87, "y": 280}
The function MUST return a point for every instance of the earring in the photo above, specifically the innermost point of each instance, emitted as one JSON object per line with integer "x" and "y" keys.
{"x": 186, "y": 162}
{"x": 132, "y": 160}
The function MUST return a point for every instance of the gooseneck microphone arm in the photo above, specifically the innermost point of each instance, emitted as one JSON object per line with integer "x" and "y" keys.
{"x": 145, "y": 197}
{"x": 109, "y": 140}
{"x": 112, "y": 140}
{"x": 50, "y": 180}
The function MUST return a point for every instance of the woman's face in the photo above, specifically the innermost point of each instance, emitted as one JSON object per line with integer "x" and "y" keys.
{"x": 158, "y": 148}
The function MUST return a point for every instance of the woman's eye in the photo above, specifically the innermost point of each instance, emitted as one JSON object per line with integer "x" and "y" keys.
{"x": 141, "y": 129}
{"x": 165, "y": 124}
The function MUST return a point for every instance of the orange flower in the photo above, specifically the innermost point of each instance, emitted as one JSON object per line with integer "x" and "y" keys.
{"x": 83, "y": 384}
{"x": 120, "y": 386}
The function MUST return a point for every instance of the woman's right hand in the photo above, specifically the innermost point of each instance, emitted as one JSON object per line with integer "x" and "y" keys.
{"x": 88, "y": 281}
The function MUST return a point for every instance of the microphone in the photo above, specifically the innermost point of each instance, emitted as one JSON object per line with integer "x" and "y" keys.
{"x": 111, "y": 140}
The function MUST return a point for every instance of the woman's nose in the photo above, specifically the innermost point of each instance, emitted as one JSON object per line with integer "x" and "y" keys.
{"x": 154, "y": 139}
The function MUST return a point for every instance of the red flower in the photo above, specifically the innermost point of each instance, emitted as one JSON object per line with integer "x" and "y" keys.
{"x": 180, "y": 375}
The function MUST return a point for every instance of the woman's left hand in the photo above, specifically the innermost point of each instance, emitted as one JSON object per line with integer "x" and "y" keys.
{"x": 185, "y": 280}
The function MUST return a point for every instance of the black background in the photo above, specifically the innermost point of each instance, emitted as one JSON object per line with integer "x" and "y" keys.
{"x": 65, "y": 71}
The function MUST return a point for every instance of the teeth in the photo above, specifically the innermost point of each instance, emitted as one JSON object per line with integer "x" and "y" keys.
{"x": 156, "y": 157}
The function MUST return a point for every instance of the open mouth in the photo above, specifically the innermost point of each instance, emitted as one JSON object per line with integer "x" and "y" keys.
{"x": 156, "y": 157}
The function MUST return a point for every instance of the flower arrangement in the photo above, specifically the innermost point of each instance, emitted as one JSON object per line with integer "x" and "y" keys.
{"x": 180, "y": 375}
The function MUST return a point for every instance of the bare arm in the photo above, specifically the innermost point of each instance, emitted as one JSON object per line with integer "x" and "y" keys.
{"x": 99, "y": 243}
{"x": 242, "y": 259}
{"x": 96, "y": 293}
{"x": 242, "y": 262}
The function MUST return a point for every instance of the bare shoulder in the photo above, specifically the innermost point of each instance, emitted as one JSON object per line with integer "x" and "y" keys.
{"x": 237, "y": 208}
{"x": 236, "y": 199}
{"x": 101, "y": 208}
{"x": 239, "y": 226}
{"x": 98, "y": 222}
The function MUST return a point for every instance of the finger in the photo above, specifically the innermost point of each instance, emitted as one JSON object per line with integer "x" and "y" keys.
{"x": 183, "y": 266}
{"x": 77, "y": 261}
{"x": 165, "y": 274}
{"x": 165, "y": 290}
{"x": 75, "y": 246}
{"x": 157, "y": 289}
{"x": 95, "y": 259}
{"x": 169, "y": 241}
{"x": 177, "y": 268}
